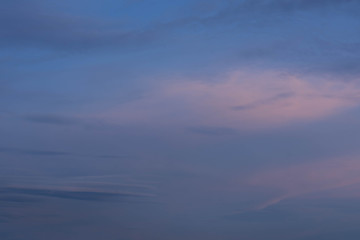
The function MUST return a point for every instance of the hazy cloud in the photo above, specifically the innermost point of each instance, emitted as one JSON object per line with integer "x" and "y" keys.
{"x": 32, "y": 25}
{"x": 50, "y": 153}
{"x": 269, "y": 98}
{"x": 302, "y": 179}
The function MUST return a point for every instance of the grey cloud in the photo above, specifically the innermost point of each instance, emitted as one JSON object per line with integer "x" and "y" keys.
{"x": 254, "y": 10}
{"x": 28, "y": 24}
{"x": 333, "y": 61}
{"x": 25, "y": 25}
{"x": 289, "y": 5}
{"x": 50, "y": 153}
{"x": 87, "y": 195}
{"x": 344, "y": 68}
{"x": 263, "y": 102}
{"x": 235, "y": 7}
{"x": 284, "y": 34}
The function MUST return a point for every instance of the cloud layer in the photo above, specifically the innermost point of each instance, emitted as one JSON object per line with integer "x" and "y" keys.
{"x": 241, "y": 100}
{"x": 155, "y": 119}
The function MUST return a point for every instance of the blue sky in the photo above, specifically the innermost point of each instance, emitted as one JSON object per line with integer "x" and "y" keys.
{"x": 141, "y": 119}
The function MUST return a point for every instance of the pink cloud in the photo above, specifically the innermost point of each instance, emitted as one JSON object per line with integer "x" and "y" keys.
{"x": 302, "y": 179}
{"x": 239, "y": 100}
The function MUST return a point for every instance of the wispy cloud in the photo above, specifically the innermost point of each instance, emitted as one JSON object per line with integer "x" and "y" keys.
{"x": 51, "y": 153}
{"x": 237, "y": 9}
{"x": 259, "y": 103}
{"x": 79, "y": 194}
{"x": 269, "y": 98}
{"x": 31, "y": 25}
{"x": 302, "y": 179}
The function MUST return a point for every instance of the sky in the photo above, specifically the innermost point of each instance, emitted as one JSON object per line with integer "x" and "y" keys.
{"x": 192, "y": 119}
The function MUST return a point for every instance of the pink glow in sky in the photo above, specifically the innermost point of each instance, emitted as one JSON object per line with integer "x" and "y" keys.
{"x": 239, "y": 100}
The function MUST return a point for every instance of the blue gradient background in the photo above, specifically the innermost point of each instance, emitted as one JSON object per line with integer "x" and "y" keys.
{"x": 202, "y": 119}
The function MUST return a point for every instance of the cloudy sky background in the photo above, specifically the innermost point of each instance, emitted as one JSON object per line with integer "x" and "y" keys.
{"x": 201, "y": 119}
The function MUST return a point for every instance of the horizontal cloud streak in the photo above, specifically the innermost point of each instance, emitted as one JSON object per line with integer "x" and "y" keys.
{"x": 51, "y": 153}
{"x": 297, "y": 180}
{"x": 240, "y": 100}
{"x": 31, "y": 25}
{"x": 88, "y": 195}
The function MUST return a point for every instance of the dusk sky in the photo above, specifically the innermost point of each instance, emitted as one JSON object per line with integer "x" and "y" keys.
{"x": 180, "y": 120}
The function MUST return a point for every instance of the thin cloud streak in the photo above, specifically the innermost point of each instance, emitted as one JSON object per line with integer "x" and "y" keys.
{"x": 51, "y": 153}
{"x": 74, "y": 194}
{"x": 303, "y": 179}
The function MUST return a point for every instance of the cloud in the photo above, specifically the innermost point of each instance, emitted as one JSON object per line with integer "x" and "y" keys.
{"x": 241, "y": 100}
{"x": 308, "y": 37}
{"x": 88, "y": 195}
{"x": 303, "y": 179}
{"x": 259, "y": 103}
{"x": 267, "y": 33}
{"x": 25, "y": 24}
{"x": 293, "y": 5}
{"x": 40, "y": 210}
{"x": 50, "y": 153}
{"x": 270, "y": 6}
